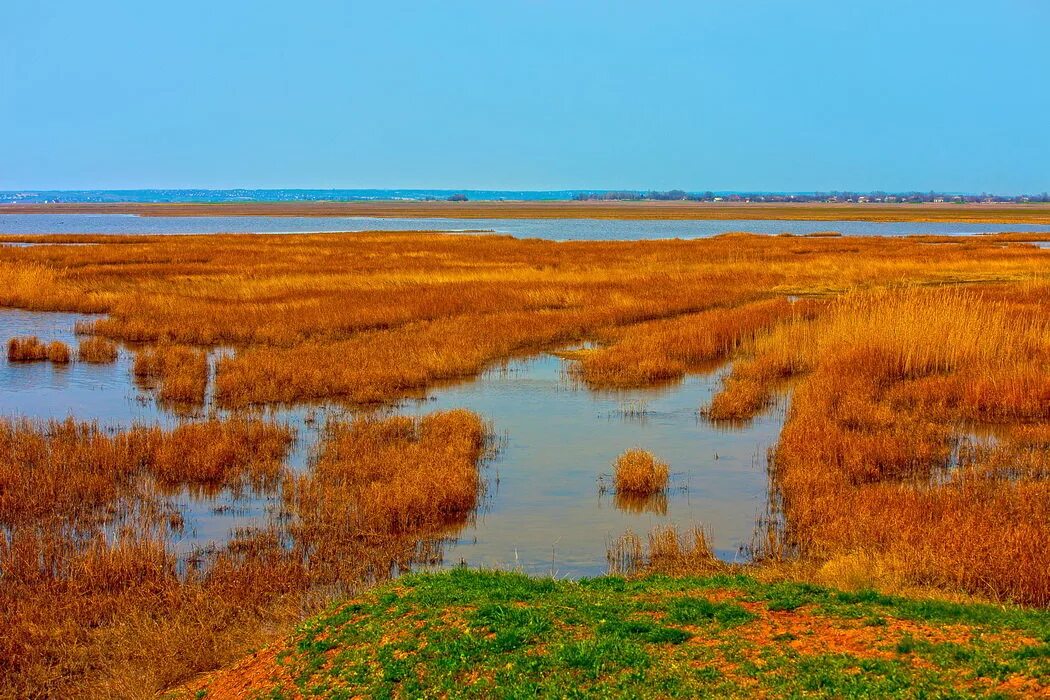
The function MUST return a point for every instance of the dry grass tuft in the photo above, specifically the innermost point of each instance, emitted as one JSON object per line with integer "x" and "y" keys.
{"x": 639, "y": 473}
{"x": 32, "y": 349}
{"x": 181, "y": 372}
{"x": 58, "y": 352}
{"x": 97, "y": 350}
{"x": 668, "y": 551}
{"x": 28, "y": 349}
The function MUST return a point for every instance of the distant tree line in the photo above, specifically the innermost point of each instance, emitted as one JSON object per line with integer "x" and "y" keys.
{"x": 855, "y": 197}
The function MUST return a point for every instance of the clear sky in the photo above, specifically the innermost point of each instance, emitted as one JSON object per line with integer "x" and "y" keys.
{"x": 953, "y": 96}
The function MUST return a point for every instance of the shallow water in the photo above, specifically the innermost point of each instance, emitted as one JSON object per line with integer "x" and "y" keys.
{"x": 551, "y": 229}
{"x": 543, "y": 511}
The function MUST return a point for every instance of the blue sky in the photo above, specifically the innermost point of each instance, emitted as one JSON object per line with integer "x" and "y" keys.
{"x": 526, "y": 95}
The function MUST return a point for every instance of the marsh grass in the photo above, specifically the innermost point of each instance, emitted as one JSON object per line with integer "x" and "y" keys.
{"x": 667, "y": 550}
{"x": 376, "y": 317}
{"x": 96, "y": 603}
{"x": 96, "y": 350}
{"x": 638, "y": 473}
{"x": 29, "y": 349}
{"x": 866, "y": 469}
{"x": 889, "y": 345}
{"x": 58, "y": 353}
{"x": 180, "y": 372}
{"x": 32, "y": 349}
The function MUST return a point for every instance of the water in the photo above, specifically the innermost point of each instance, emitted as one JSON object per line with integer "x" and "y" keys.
{"x": 550, "y": 229}
{"x": 283, "y": 195}
{"x": 543, "y": 512}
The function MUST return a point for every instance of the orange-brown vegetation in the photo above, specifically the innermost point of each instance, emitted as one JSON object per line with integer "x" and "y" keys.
{"x": 665, "y": 551}
{"x": 77, "y": 470}
{"x": 58, "y": 352}
{"x": 896, "y": 349}
{"x": 181, "y": 372}
{"x": 373, "y": 317}
{"x": 97, "y": 351}
{"x": 381, "y": 481}
{"x": 875, "y": 457}
{"x": 638, "y": 473}
{"x": 90, "y": 582}
{"x": 655, "y": 351}
{"x": 96, "y": 601}
{"x": 32, "y": 349}
{"x": 29, "y": 349}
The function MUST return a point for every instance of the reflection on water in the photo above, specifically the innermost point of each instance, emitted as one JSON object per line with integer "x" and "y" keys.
{"x": 550, "y": 229}
{"x": 545, "y": 507}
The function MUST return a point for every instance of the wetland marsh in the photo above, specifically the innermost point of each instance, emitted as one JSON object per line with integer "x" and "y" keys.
{"x": 292, "y": 418}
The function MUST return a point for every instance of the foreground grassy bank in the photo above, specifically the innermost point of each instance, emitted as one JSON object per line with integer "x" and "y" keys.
{"x": 486, "y": 634}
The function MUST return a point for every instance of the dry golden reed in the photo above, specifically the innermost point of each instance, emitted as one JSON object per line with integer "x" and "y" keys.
{"x": 638, "y": 473}
{"x": 28, "y": 349}
{"x": 667, "y": 551}
{"x": 58, "y": 352}
{"x": 95, "y": 602}
{"x": 96, "y": 350}
{"x": 32, "y": 349}
{"x": 181, "y": 372}
{"x": 374, "y": 317}
{"x": 875, "y": 457}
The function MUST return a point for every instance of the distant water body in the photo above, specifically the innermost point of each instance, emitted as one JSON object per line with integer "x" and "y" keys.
{"x": 550, "y": 229}
{"x": 227, "y": 196}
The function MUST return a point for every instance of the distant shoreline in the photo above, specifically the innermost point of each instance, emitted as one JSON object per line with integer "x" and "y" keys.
{"x": 640, "y": 210}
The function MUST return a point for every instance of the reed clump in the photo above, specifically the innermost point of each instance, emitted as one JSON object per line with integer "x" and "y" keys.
{"x": 397, "y": 475}
{"x": 29, "y": 349}
{"x": 666, "y": 550}
{"x": 58, "y": 353}
{"x": 97, "y": 350}
{"x": 233, "y": 453}
{"x": 639, "y": 473}
{"x": 181, "y": 373}
{"x": 32, "y": 349}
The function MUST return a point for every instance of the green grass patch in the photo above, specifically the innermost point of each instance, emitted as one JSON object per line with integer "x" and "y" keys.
{"x": 477, "y": 634}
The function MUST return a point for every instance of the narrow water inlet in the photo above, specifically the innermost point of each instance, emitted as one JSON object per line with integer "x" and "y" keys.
{"x": 544, "y": 511}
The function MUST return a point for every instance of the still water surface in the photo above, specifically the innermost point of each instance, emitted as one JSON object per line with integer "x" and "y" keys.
{"x": 543, "y": 510}
{"x": 550, "y": 229}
